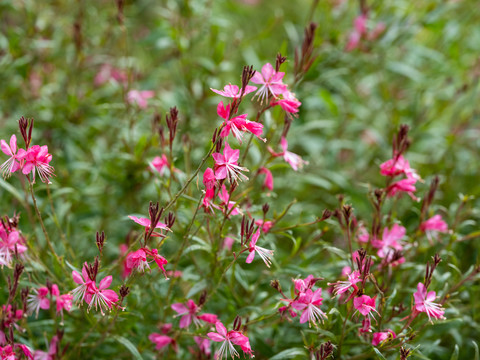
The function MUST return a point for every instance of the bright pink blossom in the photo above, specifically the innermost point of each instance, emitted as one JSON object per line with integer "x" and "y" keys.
{"x": 433, "y": 225}
{"x": 341, "y": 287}
{"x": 265, "y": 254}
{"x": 401, "y": 186}
{"x": 233, "y": 91}
{"x": 226, "y": 166}
{"x": 146, "y": 223}
{"x": 52, "y": 351}
{"x": 424, "y": 303}
{"x": 140, "y": 97}
{"x": 38, "y": 300}
{"x": 365, "y": 305}
{"x": 366, "y": 326}
{"x": 229, "y": 339}
{"x": 162, "y": 341}
{"x": 137, "y": 260}
{"x": 381, "y": 337}
{"x": 268, "y": 183}
{"x": 36, "y": 160}
{"x": 10, "y": 241}
{"x": 288, "y": 102}
{"x": 101, "y": 297}
{"x": 396, "y": 166}
{"x": 228, "y": 207}
{"x": 238, "y": 124}
{"x": 309, "y": 302}
{"x": 391, "y": 240}
{"x": 189, "y": 312}
{"x": 63, "y": 302}
{"x": 160, "y": 164}
{"x": 13, "y": 163}
{"x": 270, "y": 81}
{"x": 264, "y": 225}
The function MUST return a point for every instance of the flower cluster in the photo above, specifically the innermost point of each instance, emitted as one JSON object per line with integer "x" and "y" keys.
{"x": 42, "y": 297}
{"x": 11, "y": 242}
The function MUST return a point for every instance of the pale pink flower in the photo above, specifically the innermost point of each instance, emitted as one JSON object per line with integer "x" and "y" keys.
{"x": 362, "y": 234}
{"x": 37, "y": 159}
{"x": 101, "y": 297}
{"x": 434, "y": 225}
{"x": 381, "y": 337}
{"x": 13, "y": 163}
{"x": 228, "y": 207}
{"x": 63, "y": 302}
{"x": 295, "y": 161}
{"x": 265, "y": 254}
{"x": 302, "y": 285}
{"x": 424, "y": 303}
{"x": 268, "y": 183}
{"x": 353, "y": 40}
{"x": 140, "y": 97}
{"x": 108, "y": 72}
{"x": 377, "y": 31}
{"x": 233, "y": 91}
{"x": 162, "y": 341}
{"x": 226, "y": 166}
{"x": 204, "y": 345}
{"x": 38, "y": 300}
{"x": 146, "y": 223}
{"x": 270, "y": 81}
{"x": 52, "y": 351}
{"x": 310, "y": 302}
{"x": 229, "y": 339}
{"x": 189, "y": 312}
{"x": 365, "y": 305}
{"x": 341, "y": 287}
{"x": 238, "y": 125}
{"x": 228, "y": 243}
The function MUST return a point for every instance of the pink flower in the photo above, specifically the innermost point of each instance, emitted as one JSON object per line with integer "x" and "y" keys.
{"x": 268, "y": 183}
{"x": 264, "y": 225}
{"x": 238, "y": 124}
{"x": 424, "y": 303}
{"x": 404, "y": 185}
{"x": 160, "y": 164}
{"x": 146, "y": 223}
{"x": 226, "y": 166}
{"x": 229, "y": 339}
{"x": 233, "y": 91}
{"x": 434, "y": 224}
{"x": 204, "y": 345}
{"x": 270, "y": 81}
{"x": 52, "y": 351}
{"x": 353, "y": 40}
{"x": 189, "y": 312}
{"x": 137, "y": 260}
{"x": 9, "y": 241}
{"x": 228, "y": 243}
{"x": 37, "y": 159}
{"x": 365, "y": 305}
{"x": 101, "y": 297}
{"x": 38, "y": 300}
{"x": 341, "y": 287}
{"x": 390, "y": 240}
{"x": 362, "y": 234}
{"x": 86, "y": 285}
{"x": 302, "y": 285}
{"x": 310, "y": 302}
{"x": 265, "y": 254}
{"x": 159, "y": 260}
{"x": 381, "y": 337}
{"x": 12, "y": 164}
{"x": 162, "y": 341}
{"x": 140, "y": 97}
{"x": 228, "y": 207}
{"x": 295, "y": 161}
{"x": 366, "y": 326}
{"x": 396, "y": 166}
{"x": 108, "y": 72}
{"x": 288, "y": 102}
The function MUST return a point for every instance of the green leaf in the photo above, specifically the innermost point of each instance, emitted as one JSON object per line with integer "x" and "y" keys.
{"x": 455, "y": 353}
{"x": 379, "y": 354}
{"x": 289, "y": 354}
{"x": 129, "y": 345}
{"x": 13, "y": 191}
{"x": 477, "y": 356}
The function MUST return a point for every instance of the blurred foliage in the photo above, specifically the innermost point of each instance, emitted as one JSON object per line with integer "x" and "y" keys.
{"x": 423, "y": 70}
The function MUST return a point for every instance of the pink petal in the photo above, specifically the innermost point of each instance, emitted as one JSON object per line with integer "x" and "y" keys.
{"x": 215, "y": 337}
{"x": 185, "y": 321}
{"x": 250, "y": 257}
{"x": 77, "y": 278}
{"x": 179, "y": 308}
{"x": 220, "y": 328}
{"x": 105, "y": 283}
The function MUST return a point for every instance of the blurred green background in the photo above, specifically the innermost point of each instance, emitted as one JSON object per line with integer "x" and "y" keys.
{"x": 423, "y": 70}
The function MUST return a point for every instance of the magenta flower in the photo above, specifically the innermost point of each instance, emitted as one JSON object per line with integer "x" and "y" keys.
{"x": 228, "y": 207}
{"x": 10, "y": 241}
{"x": 159, "y": 260}
{"x": 229, "y": 339}
{"x": 63, "y": 302}
{"x": 381, "y": 337}
{"x": 390, "y": 241}
{"x": 162, "y": 341}
{"x": 238, "y": 124}
{"x": 265, "y": 254}
{"x": 86, "y": 285}
{"x": 38, "y": 300}
{"x": 424, "y": 303}
{"x": 264, "y": 225}
{"x": 160, "y": 164}
{"x": 366, "y": 326}
{"x": 101, "y": 297}
{"x": 310, "y": 302}
{"x": 365, "y": 305}
{"x": 189, "y": 312}
{"x": 52, "y": 351}
{"x": 396, "y": 166}
{"x": 288, "y": 102}
{"x": 341, "y": 287}
{"x": 270, "y": 81}
{"x": 226, "y": 166}
{"x": 204, "y": 345}
{"x": 37, "y": 159}
{"x": 146, "y": 223}
{"x": 140, "y": 97}
{"x": 233, "y": 91}
{"x": 13, "y": 163}
{"x": 302, "y": 285}
{"x": 401, "y": 186}
{"x": 268, "y": 183}
{"x": 137, "y": 260}
{"x": 228, "y": 243}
